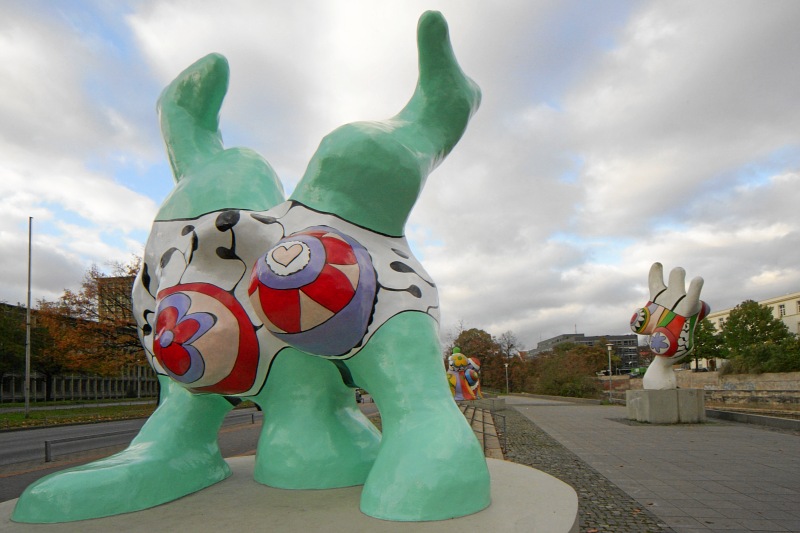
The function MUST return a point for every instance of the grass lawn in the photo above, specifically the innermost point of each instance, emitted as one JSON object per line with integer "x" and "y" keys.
{"x": 81, "y": 415}
{"x": 55, "y": 403}
{"x": 91, "y": 412}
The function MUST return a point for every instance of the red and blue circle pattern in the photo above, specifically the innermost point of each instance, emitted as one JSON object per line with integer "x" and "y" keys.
{"x": 315, "y": 290}
{"x": 205, "y": 340}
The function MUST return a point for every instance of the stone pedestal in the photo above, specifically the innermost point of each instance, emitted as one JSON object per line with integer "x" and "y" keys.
{"x": 523, "y": 500}
{"x": 674, "y": 406}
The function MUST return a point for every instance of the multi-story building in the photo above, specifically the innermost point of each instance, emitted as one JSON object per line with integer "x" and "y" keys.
{"x": 114, "y": 297}
{"x": 625, "y": 346}
{"x": 114, "y": 303}
{"x": 785, "y": 308}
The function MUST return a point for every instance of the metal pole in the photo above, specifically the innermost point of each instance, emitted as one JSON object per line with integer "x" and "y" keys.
{"x": 28, "y": 327}
{"x": 609, "y": 370}
{"x": 506, "y": 365}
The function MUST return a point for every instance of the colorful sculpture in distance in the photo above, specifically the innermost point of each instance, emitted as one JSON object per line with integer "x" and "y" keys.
{"x": 670, "y": 318}
{"x": 463, "y": 376}
{"x": 291, "y": 304}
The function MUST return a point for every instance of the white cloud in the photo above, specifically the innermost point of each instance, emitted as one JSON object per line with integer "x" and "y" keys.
{"x": 61, "y": 139}
{"x": 607, "y": 139}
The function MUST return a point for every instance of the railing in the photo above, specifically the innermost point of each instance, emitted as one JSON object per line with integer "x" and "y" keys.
{"x": 251, "y": 416}
{"x": 486, "y": 426}
{"x": 492, "y": 404}
{"x": 48, "y": 444}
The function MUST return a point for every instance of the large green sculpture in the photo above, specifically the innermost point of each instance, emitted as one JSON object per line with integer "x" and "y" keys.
{"x": 289, "y": 303}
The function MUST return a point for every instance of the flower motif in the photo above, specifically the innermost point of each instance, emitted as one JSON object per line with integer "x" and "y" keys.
{"x": 659, "y": 343}
{"x": 175, "y": 332}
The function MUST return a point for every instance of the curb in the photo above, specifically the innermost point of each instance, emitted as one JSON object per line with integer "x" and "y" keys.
{"x": 760, "y": 420}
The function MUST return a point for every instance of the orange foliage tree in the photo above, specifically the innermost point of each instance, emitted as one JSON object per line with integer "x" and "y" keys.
{"x": 569, "y": 370}
{"x": 494, "y": 354}
{"x": 90, "y": 331}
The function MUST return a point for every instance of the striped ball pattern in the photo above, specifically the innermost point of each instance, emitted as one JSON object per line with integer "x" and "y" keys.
{"x": 315, "y": 290}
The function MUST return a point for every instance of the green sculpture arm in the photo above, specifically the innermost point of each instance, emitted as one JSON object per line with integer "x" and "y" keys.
{"x": 208, "y": 177}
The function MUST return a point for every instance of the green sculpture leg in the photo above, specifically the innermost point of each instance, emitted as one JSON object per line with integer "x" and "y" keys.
{"x": 371, "y": 173}
{"x": 174, "y": 454}
{"x": 314, "y": 434}
{"x": 430, "y": 465}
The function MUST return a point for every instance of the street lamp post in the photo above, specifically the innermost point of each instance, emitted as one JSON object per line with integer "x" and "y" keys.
{"x": 506, "y": 365}
{"x": 28, "y": 327}
{"x": 609, "y": 346}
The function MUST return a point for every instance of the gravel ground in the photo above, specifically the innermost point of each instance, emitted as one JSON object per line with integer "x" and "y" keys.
{"x": 602, "y": 506}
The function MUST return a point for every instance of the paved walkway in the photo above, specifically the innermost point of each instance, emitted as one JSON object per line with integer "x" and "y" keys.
{"x": 718, "y": 476}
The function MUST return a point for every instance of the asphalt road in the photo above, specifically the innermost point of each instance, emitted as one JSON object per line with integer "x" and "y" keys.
{"x": 22, "y": 452}
{"x": 28, "y": 445}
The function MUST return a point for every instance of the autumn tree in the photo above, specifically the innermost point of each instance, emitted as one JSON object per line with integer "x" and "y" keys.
{"x": 12, "y": 339}
{"x": 475, "y": 343}
{"x": 568, "y": 370}
{"x": 478, "y": 343}
{"x": 47, "y": 357}
{"x": 616, "y": 361}
{"x": 509, "y": 345}
{"x": 91, "y": 330}
{"x": 494, "y": 354}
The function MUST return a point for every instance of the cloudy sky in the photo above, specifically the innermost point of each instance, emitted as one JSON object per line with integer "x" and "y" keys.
{"x": 611, "y": 135}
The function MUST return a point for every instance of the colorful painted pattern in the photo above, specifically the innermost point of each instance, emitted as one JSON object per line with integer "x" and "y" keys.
{"x": 463, "y": 377}
{"x": 204, "y": 339}
{"x": 671, "y": 334}
{"x": 289, "y": 276}
{"x": 315, "y": 289}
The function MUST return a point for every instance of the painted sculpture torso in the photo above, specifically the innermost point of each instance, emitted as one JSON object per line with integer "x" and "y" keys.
{"x": 314, "y": 281}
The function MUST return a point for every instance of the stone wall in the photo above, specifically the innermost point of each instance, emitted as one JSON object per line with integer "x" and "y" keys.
{"x": 754, "y": 399}
{"x": 778, "y": 392}
{"x": 789, "y": 381}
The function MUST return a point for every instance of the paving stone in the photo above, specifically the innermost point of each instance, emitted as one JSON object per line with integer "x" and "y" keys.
{"x": 740, "y": 471}
{"x": 602, "y": 506}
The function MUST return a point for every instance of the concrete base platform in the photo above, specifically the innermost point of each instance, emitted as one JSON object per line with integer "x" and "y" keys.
{"x": 675, "y": 406}
{"x": 523, "y": 500}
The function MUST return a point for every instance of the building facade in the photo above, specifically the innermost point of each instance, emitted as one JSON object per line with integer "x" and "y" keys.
{"x": 625, "y": 346}
{"x": 114, "y": 297}
{"x": 786, "y": 308}
{"x": 136, "y": 380}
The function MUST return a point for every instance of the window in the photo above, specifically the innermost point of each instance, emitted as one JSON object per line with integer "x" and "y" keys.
{"x": 798, "y": 306}
{"x": 782, "y": 310}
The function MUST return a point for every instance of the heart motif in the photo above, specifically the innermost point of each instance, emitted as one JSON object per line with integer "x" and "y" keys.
{"x": 284, "y": 256}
